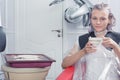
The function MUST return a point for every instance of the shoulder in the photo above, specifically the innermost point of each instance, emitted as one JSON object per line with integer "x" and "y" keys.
{"x": 83, "y": 39}
{"x": 84, "y": 36}
{"x": 114, "y": 35}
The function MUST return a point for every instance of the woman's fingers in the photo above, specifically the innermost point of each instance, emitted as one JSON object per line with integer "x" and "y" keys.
{"x": 108, "y": 42}
{"x": 90, "y": 48}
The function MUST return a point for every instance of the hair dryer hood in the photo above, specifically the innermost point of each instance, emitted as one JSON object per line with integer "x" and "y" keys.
{"x": 81, "y": 11}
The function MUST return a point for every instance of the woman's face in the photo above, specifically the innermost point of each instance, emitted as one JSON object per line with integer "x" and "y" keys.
{"x": 99, "y": 19}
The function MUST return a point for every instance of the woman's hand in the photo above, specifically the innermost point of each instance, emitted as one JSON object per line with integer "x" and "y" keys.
{"x": 108, "y": 42}
{"x": 89, "y": 48}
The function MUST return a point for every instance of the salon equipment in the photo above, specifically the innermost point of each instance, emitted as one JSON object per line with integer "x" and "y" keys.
{"x": 2, "y": 39}
{"x": 2, "y": 47}
{"x": 55, "y": 2}
{"x": 78, "y": 13}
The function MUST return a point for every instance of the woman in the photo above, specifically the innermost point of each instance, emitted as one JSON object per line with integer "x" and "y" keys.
{"x": 102, "y": 21}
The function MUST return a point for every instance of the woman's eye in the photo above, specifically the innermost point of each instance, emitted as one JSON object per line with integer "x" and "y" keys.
{"x": 94, "y": 18}
{"x": 103, "y": 19}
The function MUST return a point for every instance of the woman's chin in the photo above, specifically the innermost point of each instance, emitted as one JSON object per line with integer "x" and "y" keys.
{"x": 99, "y": 30}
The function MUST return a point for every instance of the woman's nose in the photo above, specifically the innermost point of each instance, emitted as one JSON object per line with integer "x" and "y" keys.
{"x": 98, "y": 22}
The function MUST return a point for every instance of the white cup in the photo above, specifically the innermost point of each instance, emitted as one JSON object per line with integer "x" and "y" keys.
{"x": 95, "y": 40}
